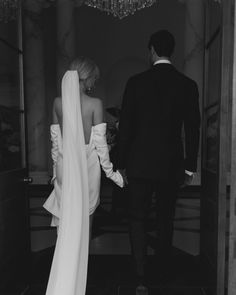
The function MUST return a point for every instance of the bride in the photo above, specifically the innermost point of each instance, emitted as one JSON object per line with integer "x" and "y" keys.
{"x": 79, "y": 147}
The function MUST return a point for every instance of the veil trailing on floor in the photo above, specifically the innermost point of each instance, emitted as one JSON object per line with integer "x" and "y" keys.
{"x": 68, "y": 274}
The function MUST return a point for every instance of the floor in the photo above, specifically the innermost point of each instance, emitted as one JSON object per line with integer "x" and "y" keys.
{"x": 110, "y": 234}
{"x": 110, "y": 264}
{"x": 112, "y": 275}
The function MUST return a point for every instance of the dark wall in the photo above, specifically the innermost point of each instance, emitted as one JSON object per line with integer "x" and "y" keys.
{"x": 119, "y": 47}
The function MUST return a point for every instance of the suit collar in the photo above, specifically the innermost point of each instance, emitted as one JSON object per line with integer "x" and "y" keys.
{"x": 162, "y": 61}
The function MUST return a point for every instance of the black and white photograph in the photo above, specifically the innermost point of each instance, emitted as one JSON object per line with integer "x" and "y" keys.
{"x": 117, "y": 147}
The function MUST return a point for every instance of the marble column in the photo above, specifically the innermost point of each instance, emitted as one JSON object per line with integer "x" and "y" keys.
{"x": 65, "y": 37}
{"x": 35, "y": 90}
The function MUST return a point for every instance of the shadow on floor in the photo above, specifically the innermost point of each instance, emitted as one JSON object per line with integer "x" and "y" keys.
{"x": 113, "y": 275}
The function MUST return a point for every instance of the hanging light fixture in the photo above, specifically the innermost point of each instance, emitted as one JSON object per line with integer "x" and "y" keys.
{"x": 117, "y": 8}
{"x": 8, "y": 10}
{"x": 120, "y": 8}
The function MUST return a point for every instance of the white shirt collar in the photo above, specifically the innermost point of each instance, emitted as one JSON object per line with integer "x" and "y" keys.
{"x": 162, "y": 61}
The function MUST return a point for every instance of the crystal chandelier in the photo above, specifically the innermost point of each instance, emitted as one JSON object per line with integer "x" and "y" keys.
{"x": 8, "y": 10}
{"x": 120, "y": 8}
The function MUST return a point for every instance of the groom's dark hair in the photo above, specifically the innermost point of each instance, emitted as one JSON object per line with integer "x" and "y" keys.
{"x": 163, "y": 43}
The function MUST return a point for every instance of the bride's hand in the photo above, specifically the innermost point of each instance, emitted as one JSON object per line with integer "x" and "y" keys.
{"x": 123, "y": 174}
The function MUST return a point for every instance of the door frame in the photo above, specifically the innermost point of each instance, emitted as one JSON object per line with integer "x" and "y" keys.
{"x": 225, "y": 127}
{"x": 231, "y": 283}
{"x": 219, "y": 270}
{"x": 21, "y": 86}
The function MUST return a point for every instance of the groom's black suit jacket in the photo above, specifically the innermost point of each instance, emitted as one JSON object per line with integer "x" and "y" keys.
{"x": 156, "y": 104}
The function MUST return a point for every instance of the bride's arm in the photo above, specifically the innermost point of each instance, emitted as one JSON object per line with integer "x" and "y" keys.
{"x": 56, "y": 122}
{"x": 98, "y": 116}
{"x": 57, "y": 112}
{"x": 99, "y": 137}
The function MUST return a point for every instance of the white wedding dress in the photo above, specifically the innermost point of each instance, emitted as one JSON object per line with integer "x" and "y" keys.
{"x": 76, "y": 179}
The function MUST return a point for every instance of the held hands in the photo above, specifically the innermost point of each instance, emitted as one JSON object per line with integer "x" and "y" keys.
{"x": 187, "y": 180}
{"x": 124, "y": 176}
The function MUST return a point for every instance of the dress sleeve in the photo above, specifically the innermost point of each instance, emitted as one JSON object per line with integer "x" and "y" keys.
{"x": 100, "y": 142}
{"x": 54, "y": 149}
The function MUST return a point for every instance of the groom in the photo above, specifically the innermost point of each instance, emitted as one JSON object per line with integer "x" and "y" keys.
{"x": 156, "y": 104}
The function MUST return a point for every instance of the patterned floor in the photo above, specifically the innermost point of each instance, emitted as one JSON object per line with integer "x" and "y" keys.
{"x": 110, "y": 264}
{"x": 110, "y": 234}
{"x": 112, "y": 275}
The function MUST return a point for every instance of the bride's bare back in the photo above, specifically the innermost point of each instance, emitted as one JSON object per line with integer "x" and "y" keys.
{"x": 91, "y": 109}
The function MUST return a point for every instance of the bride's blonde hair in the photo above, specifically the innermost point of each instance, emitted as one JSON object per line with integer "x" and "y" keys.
{"x": 87, "y": 70}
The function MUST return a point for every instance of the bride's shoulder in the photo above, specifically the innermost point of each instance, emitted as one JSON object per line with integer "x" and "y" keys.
{"x": 97, "y": 110}
{"x": 57, "y": 101}
{"x": 57, "y": 105}
{"x": 96, "y": 102}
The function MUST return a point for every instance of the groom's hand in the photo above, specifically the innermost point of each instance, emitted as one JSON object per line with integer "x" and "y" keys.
{"x": 123, "y": 174}
{"x": 187, "y": 180}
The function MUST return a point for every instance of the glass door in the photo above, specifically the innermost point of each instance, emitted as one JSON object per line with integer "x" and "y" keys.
{"x": 14, "y": 211}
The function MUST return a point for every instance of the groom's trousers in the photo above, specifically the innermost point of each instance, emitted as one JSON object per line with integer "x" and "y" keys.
{"x": 140, "y": 198}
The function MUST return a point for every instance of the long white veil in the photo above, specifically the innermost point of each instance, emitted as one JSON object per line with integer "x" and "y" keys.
{"x": 69, "y": 268}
